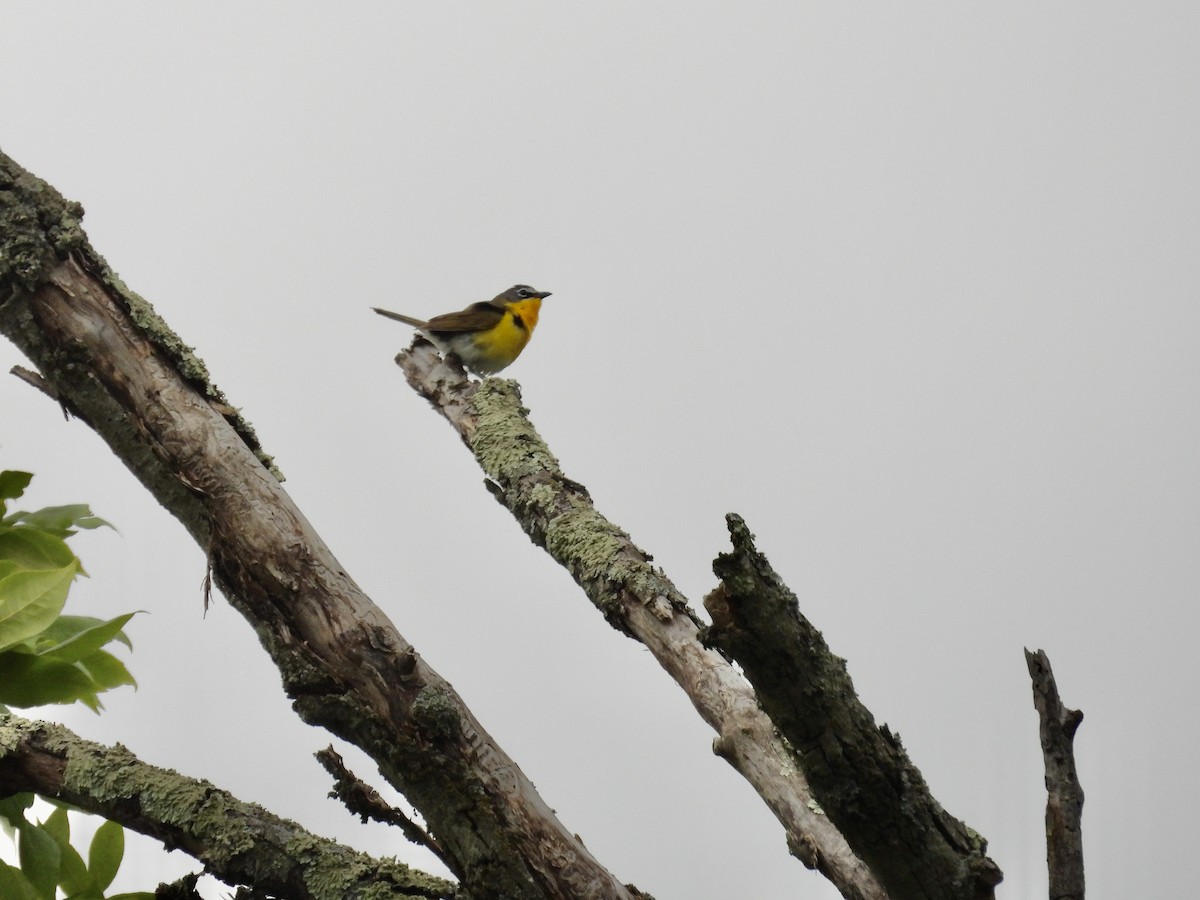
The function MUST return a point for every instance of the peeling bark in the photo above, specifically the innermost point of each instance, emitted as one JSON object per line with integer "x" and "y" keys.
{"x": 1064, "y": 801}
{"x": 860, "y": 774}
{"x": 269, "y": 854}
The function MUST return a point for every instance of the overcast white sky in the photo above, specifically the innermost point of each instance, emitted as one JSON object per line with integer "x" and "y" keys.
{"x": 913, "y": 287}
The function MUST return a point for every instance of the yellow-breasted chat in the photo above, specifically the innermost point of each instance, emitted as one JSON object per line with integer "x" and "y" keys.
{"x": 486, "y": 336}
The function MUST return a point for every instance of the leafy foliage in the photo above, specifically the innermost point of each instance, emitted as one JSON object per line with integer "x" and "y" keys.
{"x": 46, "y": 657}
{"x": 49, "y": 861}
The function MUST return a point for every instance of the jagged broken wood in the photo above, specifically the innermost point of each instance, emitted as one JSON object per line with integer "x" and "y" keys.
{"x": 1064, "y": 795}
{"x": 860, "y": 774}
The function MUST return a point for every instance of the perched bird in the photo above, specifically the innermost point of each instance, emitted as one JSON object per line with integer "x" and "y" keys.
{"x": 486, "y": 336}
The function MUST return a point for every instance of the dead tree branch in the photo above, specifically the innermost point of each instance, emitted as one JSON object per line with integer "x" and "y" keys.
{"x": 266, "y": 853}
{"x": 1064, "y": 801}
{"x": 635, "y": 597}
{"x": 102, "y": 349}
{"x": 860, "y": 773}
{"x": 364, "y": 801}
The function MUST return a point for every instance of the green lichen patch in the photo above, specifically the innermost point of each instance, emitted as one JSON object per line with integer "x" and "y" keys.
{"x": 436, "y": 714}
{"x": 505, "y": 442}
{"x": 38, "y": 228}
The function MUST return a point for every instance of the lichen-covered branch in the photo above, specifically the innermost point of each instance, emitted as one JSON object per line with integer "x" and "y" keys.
{"x": 240, "y": 843}
{"x": 1064, "y": 795}
{"x": 860, "y": 774}
{"x": 343, "y": 663}
{"x": 635, "y": 597}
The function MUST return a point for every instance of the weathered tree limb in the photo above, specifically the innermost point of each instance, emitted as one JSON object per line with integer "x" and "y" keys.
{"x": 364, "y": 801}
{"x": 860, "y": 774}
{"x": 1064, "y": 802}
{"x": 240, "y": 843}
{"x": 344, "y": 664}
{"x": 634, "y": 596}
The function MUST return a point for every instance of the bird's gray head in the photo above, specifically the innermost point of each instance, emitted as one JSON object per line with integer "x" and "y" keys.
{"x": 520, "y": 292}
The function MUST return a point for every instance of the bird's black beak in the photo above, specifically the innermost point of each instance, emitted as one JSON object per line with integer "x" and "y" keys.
{"x": 542, "y": 295}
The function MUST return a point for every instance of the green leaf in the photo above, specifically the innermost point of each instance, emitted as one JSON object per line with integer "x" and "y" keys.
{"x": 30, "y": 601}
{"x": 58, "y": 826}
{"x": 13, "y": 484}
{"x": 73, "y": 875}
{"x": 61, "y": 630}
{"x": 105, "y": 853}
{"x": 77, "y": 637}
{"x": 30, "y": 681}
{"x": 12, "y": 808}
{"x": 14, "y": 885}
{"x": 134, "y": 895}
{"x": 32, "y": 548}
{"x": 107, "y": 672}
{"x": 39, "y": 856}
{"x": 60, "y": 520}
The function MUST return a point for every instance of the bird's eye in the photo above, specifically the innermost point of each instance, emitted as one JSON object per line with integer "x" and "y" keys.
{"x": 524, "y": 292}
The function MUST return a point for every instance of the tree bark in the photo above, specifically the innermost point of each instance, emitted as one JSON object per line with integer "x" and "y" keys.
{"x": 266, "y": 853}
{"x": 635, "y": 597}
{"x": 344, "y": 664}
{"x": 1064, "y": 801}
{"x": 860, "y": 774}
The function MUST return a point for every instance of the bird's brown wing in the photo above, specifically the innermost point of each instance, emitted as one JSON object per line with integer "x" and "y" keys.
{"x": 476, "y": 317}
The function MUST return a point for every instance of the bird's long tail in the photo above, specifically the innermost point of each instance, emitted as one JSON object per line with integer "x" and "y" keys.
{"x": 407, "y": 320}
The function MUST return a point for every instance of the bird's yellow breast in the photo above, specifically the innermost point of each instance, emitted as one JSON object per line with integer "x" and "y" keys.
{"x": 499, "y": 345}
